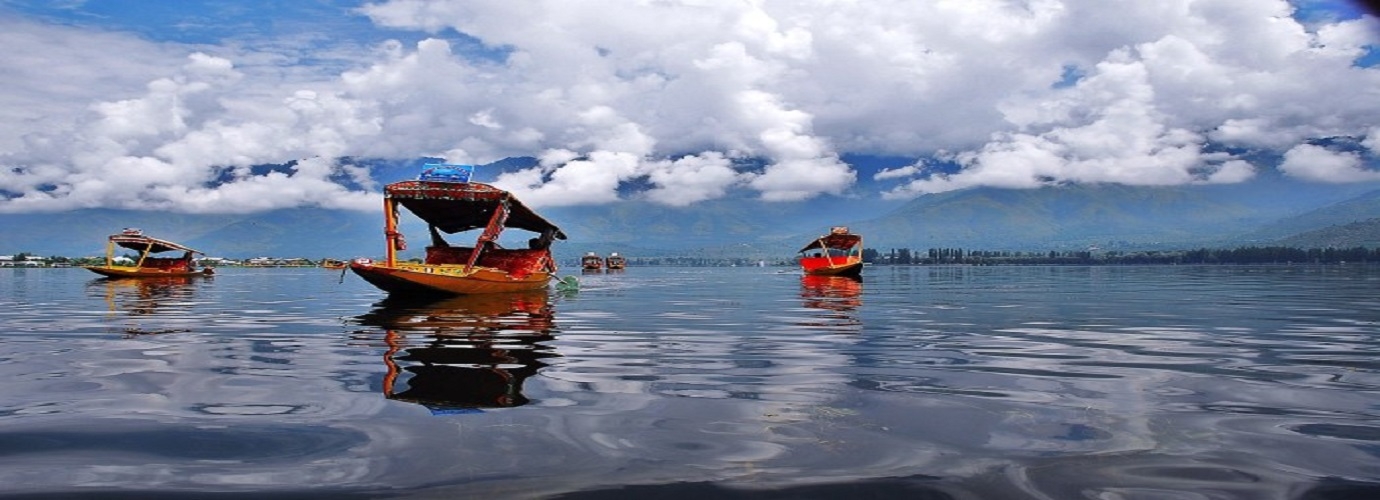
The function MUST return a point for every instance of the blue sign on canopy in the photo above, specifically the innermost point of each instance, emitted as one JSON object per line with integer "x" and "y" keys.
{"x": 446, "y": 172}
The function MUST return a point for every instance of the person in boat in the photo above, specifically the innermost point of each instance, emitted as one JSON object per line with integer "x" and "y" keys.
{"x": 542, "y": 242}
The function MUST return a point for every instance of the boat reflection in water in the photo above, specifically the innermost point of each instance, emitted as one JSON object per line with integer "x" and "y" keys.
{"x": 839, "y": 293}
{"x": 838, "y": 296}
{"x": 464, "y": 353}
{"x": 170, "y": 297}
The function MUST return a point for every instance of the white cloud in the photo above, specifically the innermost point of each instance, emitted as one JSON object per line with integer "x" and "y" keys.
{"x": 306, "y": 185}
{"x": 166, "y": 150}
{"x": 691, "y": 179}
{"x": 590, "y": 180}
{"x": 52, "y": 74}
{"x": 669, "y": 93}
{"x": 1316, "y": 163}
{"x": 1372, "y": 141}
{"x": 1106, "y": 129}
{"x": 897, "y": 173}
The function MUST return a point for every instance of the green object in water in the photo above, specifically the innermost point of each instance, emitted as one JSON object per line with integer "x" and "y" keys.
{"x": 568, "y": 283}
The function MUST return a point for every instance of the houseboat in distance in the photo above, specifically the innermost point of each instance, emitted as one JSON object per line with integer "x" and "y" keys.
{"x": 615, "y": 262}
{"x": 838, "y": 253}
{"x": 591, "y": 262}
{"x": 147, "y": 265}
{"x": 444, "y": 198}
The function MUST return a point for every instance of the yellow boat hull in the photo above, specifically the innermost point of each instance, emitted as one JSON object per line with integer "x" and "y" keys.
{"x": 143, "y": 272}
{"x": 450, "y": 279}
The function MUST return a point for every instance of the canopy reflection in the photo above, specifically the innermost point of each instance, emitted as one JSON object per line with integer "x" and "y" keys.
{"x": 464, "y": 353}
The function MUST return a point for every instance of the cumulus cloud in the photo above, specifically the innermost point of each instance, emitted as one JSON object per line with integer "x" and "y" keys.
{"x": 590, "y": 180}
{"x": 1316, "y": 163}
{"x": 1145, "y": 114}
{"x": 897, "y": 173}
{"x": 186, "y": 144}
{"x": 1108, "y": 128}
{"x": 691, "y": 179}
{"x": 53, "y": 74}
{"x": 673, "y": 96}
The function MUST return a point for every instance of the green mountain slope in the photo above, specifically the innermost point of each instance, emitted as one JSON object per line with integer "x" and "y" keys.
{"x": 1352, "y": 210}
{"x": 83, "y": 232}
{"x": 1056, "y": 217}
{"x": 1364, "y": 233}
{"x": 1079, "y": 216}
{"x": 1067, "y": 217}
{"x": 311, "y": 233}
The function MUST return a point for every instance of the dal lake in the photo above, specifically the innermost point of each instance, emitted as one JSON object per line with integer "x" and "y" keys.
{"x": 1042, "y": 382}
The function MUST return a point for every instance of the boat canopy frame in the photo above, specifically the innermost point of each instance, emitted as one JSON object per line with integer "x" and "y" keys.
{"x": 834, "y": 241}
{"x": 455, "y": 207}
{"x": 147, "y": 244}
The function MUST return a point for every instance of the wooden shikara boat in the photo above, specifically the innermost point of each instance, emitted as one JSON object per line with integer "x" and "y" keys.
{"x": 147, "y": 265}
{"x": 449, "y": 203}
{"x": 591, "y": 262}
{"x": 615, "y": 261}
{"x": 838, "y": 253}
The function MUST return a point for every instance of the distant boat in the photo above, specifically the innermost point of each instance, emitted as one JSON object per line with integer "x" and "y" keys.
{"x": 591, "y": 262}
{"x": 444, "y": 198}
{"x": 147, "y": 265}
{"x": 615, "y": 261}
{"x": 334, "y": 264}
{"x": 838, "y": 253}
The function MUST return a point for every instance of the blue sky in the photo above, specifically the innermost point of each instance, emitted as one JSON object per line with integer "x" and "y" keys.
{"x": 323, "y": 23}
{"x": 216, "y": 21}
{"x": 207, "y": 22}
{"x": 143, "y": 104}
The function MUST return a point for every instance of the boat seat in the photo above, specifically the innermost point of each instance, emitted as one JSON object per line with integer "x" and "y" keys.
{"x": 165, "y": 263}
{"x": 448, "y": 255}
{"x": 518, "y": 262}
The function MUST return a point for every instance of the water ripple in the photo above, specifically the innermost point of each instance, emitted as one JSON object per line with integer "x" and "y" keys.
{"x": 972, "y": 382}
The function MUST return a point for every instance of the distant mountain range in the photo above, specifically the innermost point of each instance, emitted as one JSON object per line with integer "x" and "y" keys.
{"x": 1365, "y": 233}
{"x": 1266, "y": 211}
{"x": 1115, "y": 216}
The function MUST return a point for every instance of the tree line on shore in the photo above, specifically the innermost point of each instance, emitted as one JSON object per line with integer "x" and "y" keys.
{"x": 1240, "y": 255}
{"x": 62, "y": 261}
{"x": 960, "y": 256}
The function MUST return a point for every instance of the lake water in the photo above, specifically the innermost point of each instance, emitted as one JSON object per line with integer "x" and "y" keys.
{"x": 918, "y": 382}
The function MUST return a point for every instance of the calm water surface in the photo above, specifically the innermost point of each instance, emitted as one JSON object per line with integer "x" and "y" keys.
{"x": 918, "y": 382}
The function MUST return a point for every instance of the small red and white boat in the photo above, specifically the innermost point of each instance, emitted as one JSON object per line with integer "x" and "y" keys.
{"x": 838, "y": 253}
